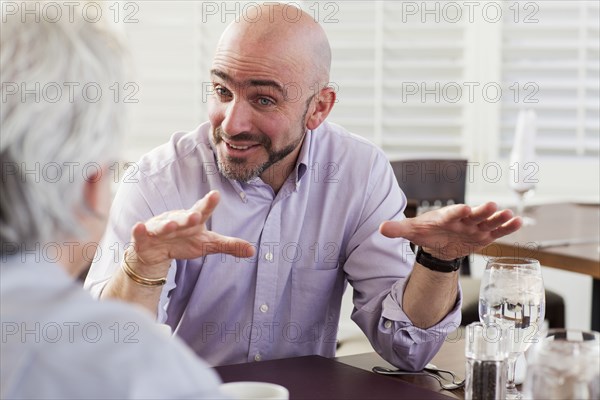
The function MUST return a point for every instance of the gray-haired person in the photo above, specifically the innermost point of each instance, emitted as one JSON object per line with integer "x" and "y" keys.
{"x": 58, "y": 139}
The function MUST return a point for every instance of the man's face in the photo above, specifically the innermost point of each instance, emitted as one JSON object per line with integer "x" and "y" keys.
{"x": 257, "y": 112}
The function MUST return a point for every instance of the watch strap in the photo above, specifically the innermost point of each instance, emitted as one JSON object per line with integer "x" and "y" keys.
{"x": 435, "y": 264}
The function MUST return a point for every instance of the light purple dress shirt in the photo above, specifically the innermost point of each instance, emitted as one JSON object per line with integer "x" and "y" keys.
{"x": 317, "y": 233}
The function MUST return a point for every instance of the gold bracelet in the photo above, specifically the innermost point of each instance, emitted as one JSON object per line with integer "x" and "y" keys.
{"x": 140, "y": 280}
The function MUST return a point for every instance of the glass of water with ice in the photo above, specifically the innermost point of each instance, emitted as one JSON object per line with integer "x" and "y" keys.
{"x": 512, "y": 297}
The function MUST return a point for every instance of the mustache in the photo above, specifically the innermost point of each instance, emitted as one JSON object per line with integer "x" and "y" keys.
{"x": 220, "y": 135}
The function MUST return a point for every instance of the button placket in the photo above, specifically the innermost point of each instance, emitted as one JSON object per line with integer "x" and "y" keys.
{"x": 266, "y": 285}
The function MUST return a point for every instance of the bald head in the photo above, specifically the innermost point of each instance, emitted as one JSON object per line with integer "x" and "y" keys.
{"x": 284, "y": 31}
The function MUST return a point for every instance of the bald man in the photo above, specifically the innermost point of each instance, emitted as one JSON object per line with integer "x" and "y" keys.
{"x": 246, "y": 231}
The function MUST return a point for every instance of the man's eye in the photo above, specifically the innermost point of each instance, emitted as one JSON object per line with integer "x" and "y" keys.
{"x": 221, "y": 91}
{"x": 263, "y": 101}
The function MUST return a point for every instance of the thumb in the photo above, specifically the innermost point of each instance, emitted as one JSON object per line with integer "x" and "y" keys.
{"x": 235, "y": 247}
{"x": 396, "y": 229}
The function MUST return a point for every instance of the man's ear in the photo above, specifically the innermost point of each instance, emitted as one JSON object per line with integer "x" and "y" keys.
{"x": 323, "y": 105}
{"x": 94, "y": 195}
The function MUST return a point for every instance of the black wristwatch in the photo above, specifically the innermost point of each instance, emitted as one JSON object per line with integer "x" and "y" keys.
{"x": 435, "y": 264}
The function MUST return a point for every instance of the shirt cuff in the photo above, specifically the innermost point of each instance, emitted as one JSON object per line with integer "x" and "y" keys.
{"x": 396, "y": 320}
{"x": 163, "y": 302}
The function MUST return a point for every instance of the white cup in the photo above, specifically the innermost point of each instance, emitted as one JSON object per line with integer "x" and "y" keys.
{"x": 253, "y": 391}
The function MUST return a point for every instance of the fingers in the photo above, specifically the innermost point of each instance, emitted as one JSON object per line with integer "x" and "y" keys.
{"x": 139, "y": 232}
{"x": 169, "y": 222}
{"x": 481, "y": 213}
{"x": 178, "y": 220}
{"x": 457, "y": 211}
{"x": 406, "y": 227}
{"x": 507, "y": 228}
{"x": 497, "y": 219}
{"x": 207, "y": 205}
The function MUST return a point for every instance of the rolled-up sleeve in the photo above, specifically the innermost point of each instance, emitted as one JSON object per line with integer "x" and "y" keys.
{"x": 378, "y": 268}
{"x": 413, "y": 347}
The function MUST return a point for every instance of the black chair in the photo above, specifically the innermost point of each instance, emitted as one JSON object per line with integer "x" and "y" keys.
{"x": 432, "y": 183}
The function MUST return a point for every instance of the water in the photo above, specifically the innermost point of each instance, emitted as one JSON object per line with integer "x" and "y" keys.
{"x": 515, "y": 301}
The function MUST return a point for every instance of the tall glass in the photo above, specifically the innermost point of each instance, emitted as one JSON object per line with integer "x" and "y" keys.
{"x": 512, "y": 297}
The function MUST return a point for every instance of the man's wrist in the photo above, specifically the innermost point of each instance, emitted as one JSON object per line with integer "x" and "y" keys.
{"x": 433, "y": 263}
{"x": 134, "y": 263}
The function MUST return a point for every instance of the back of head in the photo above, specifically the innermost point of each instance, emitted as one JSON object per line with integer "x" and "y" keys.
{"x": 59, "y": 122}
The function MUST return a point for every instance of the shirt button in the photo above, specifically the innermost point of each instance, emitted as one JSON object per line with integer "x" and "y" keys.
{"x": 269, "y": 256}
{"x": 243, "y": 195}
{"x": 264, "y": 308}
{"x": 388, "y": 324}
{"x": 257, "y": 357}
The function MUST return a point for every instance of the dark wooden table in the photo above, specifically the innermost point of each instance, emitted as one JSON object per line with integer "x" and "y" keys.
{"x": 349, "y": 377}
{"x": 565, "y": 236}
{"x": 451, "y": 357}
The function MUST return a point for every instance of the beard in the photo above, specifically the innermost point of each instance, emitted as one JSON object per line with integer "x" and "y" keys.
{"x": 238, "y": 168}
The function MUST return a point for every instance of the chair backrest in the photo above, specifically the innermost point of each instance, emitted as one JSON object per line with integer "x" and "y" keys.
{"x": 431, "y": 183}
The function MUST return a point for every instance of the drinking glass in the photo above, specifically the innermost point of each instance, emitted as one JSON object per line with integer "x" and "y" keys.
{"x": 512, "y": 297}
{"x": 522, "y": 193}
{"x": 523, "y": 176}
{"x": 564, "y": 365}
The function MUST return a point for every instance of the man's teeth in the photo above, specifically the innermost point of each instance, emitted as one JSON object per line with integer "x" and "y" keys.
{"x": 239, "y": 147}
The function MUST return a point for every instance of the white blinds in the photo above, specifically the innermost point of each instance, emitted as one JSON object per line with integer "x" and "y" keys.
{"x": 551, "y": 58}
{"x": 423, "y": 72}
{"x": 387, "y": 72}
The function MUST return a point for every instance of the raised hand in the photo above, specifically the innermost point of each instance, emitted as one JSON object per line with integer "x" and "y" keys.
{"x": 181, "y": 234}
{"x": 454, "y": 231}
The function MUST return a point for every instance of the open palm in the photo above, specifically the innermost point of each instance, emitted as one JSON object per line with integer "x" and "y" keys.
{"x": 454, "y": 231}
{"x": 182, "y": 234}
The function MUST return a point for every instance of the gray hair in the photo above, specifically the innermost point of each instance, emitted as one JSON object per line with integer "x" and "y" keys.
{"x": 56, "y": 130}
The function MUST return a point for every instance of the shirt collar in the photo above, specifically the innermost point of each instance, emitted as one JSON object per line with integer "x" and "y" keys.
{"x": 304, "y": 157}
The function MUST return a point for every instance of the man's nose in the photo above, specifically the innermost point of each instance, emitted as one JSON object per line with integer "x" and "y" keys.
{"x": 238, "y": 117}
